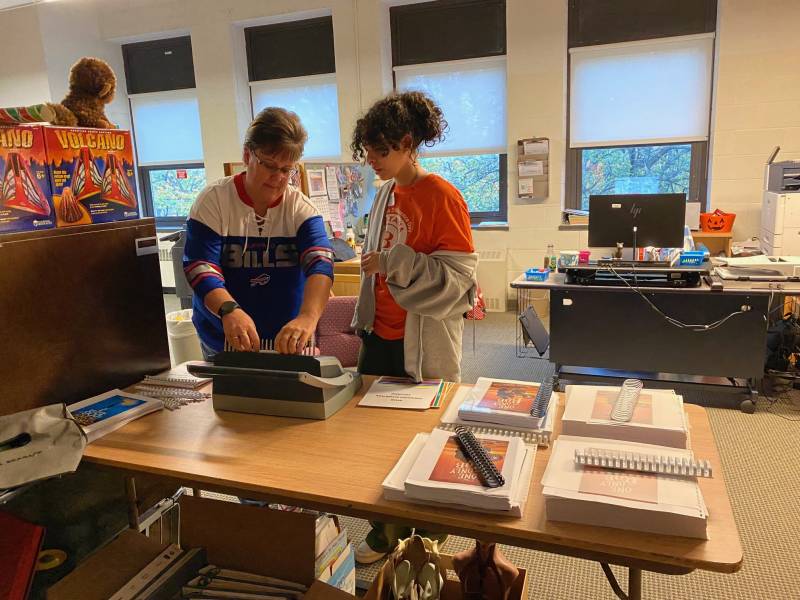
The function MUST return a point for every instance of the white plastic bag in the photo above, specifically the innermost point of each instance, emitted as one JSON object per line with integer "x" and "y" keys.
{"x": 38, "y": 443}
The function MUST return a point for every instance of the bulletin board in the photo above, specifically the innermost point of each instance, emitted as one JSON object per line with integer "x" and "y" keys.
{"x": 533, "y": 168}
{"x": 339, "y": 190}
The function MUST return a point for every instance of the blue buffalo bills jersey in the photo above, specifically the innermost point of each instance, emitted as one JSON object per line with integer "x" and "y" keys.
{"x": 262, "y": 262}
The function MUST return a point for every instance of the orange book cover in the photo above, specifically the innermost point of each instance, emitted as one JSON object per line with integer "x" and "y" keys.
{"x": 454, "y": 467}
{"x": 511, "y": 397}
{"x": 641, "y": 487}
{"x": 642, "y": 413}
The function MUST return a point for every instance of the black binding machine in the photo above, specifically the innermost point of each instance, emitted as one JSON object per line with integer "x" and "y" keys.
{"x": 283, "y": 385}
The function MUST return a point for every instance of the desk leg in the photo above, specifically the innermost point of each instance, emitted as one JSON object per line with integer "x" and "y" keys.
{"x": 634, "y": 583}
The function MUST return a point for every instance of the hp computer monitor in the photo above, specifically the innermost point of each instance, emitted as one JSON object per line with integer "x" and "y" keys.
{"x": 659, "y": 220}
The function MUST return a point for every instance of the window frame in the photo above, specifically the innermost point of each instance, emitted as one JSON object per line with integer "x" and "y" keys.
{"x": 698, "y": 173}
{"x": 476, "y": 218}
{"x": 143, "y": 172}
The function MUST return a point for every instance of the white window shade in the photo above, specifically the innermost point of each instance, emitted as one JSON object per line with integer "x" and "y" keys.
{"x": 658, "y": 91}
{"x": 472, "y": 95}
{"x": 315, "y": 100}
{"x": 166, "y": 127}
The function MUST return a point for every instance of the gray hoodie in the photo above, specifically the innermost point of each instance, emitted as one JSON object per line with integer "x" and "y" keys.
{"x": 435, "y": 289}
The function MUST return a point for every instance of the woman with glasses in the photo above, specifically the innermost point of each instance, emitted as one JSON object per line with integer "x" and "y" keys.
{"x": 257, "y": 255}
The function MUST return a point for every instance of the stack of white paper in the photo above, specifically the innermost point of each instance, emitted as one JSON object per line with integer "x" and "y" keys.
{"x": 659, "y": 417}
{"x": 660, "y": 504}
{"x": 432, "y": 470}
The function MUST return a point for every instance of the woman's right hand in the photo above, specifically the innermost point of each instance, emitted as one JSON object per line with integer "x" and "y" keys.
{"x": 240, "y": 331}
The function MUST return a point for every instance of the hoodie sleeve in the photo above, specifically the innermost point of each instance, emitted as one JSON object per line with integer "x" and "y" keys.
{"x": 437, "y": 285}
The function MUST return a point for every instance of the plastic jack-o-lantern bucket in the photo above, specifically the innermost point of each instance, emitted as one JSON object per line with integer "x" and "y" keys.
{"x": 717, "y": 221}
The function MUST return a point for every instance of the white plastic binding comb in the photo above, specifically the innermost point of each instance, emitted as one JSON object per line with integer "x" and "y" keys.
{"x": 644, "y": 463}
{"x": 626, "y": 401}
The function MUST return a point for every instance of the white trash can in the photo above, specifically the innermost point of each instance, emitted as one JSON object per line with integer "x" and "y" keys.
{"x": 184, "y": 343}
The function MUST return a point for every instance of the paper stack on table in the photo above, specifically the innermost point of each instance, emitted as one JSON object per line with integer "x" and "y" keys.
{"x": 660, "y": 504}
{"x": 531, "y": 435}
{"x": 658, "y": 418}
{"x": 433, "y": 470}
{"x": 404, "y": 392}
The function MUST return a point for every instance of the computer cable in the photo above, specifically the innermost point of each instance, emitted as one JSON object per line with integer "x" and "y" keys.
{"x": 699, "y": 328}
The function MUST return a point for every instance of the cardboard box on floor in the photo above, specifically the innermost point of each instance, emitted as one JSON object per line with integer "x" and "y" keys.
{"x": 451, "y": 589}
{"x": 245, "y": 538}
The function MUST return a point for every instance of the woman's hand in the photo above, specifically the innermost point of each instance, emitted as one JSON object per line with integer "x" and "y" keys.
{"x": 294, "y": 336}
{"x": 370, "y": 263}
{"x": 240, "y": 331}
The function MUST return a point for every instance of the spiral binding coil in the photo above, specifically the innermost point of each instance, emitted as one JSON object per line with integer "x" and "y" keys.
{"x": 542, "y": 400}
{"x": 644, "y": 463}
{"x": 479, "y": 458}
{"x": 626, "y": 400}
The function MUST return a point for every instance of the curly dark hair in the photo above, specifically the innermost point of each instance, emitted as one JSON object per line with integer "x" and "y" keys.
{"x": 389, "y": 120}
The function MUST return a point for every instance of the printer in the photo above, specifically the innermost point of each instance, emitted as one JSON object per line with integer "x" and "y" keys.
{"x": 780, "y": 210}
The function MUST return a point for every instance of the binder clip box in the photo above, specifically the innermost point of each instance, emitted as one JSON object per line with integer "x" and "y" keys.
{"x": 281, "y": 385}
{"x": 91, "y": 175}
{"x": 26, "y": 203}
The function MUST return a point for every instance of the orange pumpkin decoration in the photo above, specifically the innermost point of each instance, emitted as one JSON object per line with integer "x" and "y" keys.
{"x": 717, "y": 221}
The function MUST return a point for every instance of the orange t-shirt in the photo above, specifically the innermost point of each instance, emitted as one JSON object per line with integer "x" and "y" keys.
{"x": 428, "y": 215}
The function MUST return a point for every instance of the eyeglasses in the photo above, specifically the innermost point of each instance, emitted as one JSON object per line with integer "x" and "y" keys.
{"x": 287, "y": 172}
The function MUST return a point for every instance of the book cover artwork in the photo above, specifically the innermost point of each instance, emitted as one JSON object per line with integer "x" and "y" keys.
{"x": 641, "y": 487}
{"x": 105, "y": 409}
{"x": 454, "y": 467}
{"x": 511, "y": 397}
{"x": 642, "y": 413}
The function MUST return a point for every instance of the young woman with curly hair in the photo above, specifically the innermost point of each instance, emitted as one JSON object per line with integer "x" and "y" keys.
{"x": 418, "y": 263}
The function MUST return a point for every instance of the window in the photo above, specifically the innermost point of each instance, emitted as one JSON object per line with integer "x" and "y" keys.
{"x": 473, "y": 154}
{"x": 315, "y": 101}
{"x": 292, "y": 65}
{"x": 166, "y": 126}
{"x": 170, "y": 190}
{"x": 639, "y": 111}
{"x": 169, "y": 150}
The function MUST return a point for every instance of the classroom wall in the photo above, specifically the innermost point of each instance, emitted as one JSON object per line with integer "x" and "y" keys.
{"x": 757, "y": 104}
{"x": 23, "y": 73}
{"x": 757, "y": 88}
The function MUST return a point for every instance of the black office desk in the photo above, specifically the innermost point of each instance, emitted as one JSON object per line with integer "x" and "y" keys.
{"x": 610, "y": 331}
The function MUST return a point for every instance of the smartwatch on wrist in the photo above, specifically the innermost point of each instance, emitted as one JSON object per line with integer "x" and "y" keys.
{"x": 227, "y": 308}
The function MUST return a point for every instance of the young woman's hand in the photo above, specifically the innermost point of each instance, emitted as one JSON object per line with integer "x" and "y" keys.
{"x": 370, "y": 263}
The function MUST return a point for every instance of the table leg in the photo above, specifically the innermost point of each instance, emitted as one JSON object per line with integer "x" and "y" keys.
{"x": 634, "y": 583}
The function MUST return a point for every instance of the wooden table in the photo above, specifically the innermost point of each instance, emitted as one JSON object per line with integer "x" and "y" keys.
{"x": 715, "y": 241}
{"x": 338, "y": 465}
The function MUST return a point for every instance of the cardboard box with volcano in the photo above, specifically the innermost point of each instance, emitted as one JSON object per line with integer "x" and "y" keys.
{"x": 91, "y": 175}
{"x": 25, "y": 199}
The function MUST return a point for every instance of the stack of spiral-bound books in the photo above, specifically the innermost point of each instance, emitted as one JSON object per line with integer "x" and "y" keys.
{"x": 435, "y": 469}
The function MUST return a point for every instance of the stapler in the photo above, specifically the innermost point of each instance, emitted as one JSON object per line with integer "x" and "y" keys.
{"x": 283, "y": 385}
